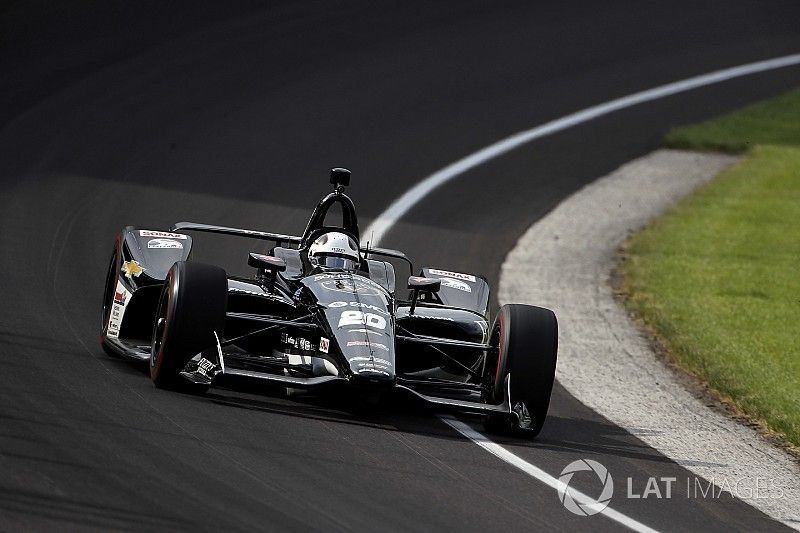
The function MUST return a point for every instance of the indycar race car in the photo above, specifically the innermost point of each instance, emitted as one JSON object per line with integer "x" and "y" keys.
{"x": 322, "y": 310}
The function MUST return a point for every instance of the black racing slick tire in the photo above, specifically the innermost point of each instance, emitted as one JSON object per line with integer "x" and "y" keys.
{"x": 189, "y": 313}
{"x": 527, "y": 342}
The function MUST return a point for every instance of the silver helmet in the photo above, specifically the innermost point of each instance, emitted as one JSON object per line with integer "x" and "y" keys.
{"x": 334, "y": 250}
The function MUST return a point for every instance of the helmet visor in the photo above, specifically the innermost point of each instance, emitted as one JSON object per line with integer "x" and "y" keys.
{"x": 334, "y": 262}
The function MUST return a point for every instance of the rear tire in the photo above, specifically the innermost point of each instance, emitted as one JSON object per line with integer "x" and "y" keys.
{"x": 191, "y": 309}
{"x": 527, "y": 341}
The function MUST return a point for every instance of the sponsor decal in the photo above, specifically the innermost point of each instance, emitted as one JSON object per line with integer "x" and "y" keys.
{"x": 365, "y": 330}
{"x": 375, "y": 308}
{"x": 163, "y": 234}
{"x": 132, "y": 269}
{"x": 360, "y": 305}
{"x": 121, "y": 299}
{"x": 357, "y": 318}
{"x": 344, "y": 275}
{"x": 299, "y": 343}
{"x": 375, "y": 360}
{"x": 448, "y": 274}
{"x": 348, "y": 277}
{"x": 350, "y": 286}
{"x": 368, "y": 344}
{"x": 199, "y": 369}
{"x": 164, "y": 244}
{"x": 455, "y": 284}
{"x": 204, "y": 366}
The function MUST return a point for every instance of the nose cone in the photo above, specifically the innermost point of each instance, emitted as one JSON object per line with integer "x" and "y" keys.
{"x": 371, "y": 369}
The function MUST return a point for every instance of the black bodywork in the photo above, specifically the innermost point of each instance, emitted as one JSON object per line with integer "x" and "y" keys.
{"x": 306, "y": 327}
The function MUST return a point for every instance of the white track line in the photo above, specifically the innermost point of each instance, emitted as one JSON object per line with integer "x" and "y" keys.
{"x": 384, "y": 222}
{"x": 377, "y": 230}
{"x": 536, "y": 472}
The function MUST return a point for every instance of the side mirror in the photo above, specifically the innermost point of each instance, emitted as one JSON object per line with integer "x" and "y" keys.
{"x": 264, "y": 264}
{"x": 419, "y": 284}
{"x": 340, "y": 176}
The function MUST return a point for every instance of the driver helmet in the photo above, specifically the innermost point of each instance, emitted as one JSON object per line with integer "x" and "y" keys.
{"x": 334, "y": 250}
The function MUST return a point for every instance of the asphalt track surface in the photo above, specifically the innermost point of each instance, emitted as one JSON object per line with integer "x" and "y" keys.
{"x": 145, "y": 114}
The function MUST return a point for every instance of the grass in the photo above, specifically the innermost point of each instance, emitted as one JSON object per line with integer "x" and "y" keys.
{"x": 718, "y": 277}
{"x": 775, "y": 121}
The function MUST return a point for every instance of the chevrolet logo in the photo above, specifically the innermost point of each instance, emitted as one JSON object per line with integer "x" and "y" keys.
{"x": 132, "y": 269}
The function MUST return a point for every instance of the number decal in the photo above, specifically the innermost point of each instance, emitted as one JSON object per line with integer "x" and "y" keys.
{"x": 357, "y": 318}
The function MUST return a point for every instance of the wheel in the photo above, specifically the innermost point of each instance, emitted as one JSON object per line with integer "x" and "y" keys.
{"x": 527, "y": 341}
{"x": 108, "y": 302}
{"x": 191, "y": 309}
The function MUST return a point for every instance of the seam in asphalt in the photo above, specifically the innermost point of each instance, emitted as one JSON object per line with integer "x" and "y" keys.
{"x": 565, "y": 262}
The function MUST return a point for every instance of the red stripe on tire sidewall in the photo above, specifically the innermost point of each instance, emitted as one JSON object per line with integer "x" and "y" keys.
{"x": 500, "y": 343}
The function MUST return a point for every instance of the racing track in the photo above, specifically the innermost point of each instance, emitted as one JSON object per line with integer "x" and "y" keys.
{"x": 146, "y": 115}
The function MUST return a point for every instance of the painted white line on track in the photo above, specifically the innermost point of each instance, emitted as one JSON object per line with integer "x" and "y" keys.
{"x": 536, "y": 472}
{"x": 377, "y": 230}
{"x": 389, "y": 217}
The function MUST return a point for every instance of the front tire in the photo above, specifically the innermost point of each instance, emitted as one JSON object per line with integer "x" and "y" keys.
{"x": 527, "y": 341}
{"x": 190, "y": 311}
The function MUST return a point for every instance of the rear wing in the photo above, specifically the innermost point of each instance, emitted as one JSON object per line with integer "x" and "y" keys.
{"x": 279, "y": 239}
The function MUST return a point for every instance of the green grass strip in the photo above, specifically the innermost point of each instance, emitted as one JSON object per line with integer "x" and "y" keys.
{"x": 718, "y": 277}
{"x": 775, "y": 121}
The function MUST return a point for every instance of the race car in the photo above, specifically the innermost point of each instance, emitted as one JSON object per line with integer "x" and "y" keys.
{"x": 322, "y": 310}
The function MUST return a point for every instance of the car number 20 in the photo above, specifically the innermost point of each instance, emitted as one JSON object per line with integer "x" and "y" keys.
{"x": 357, "y": 318}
